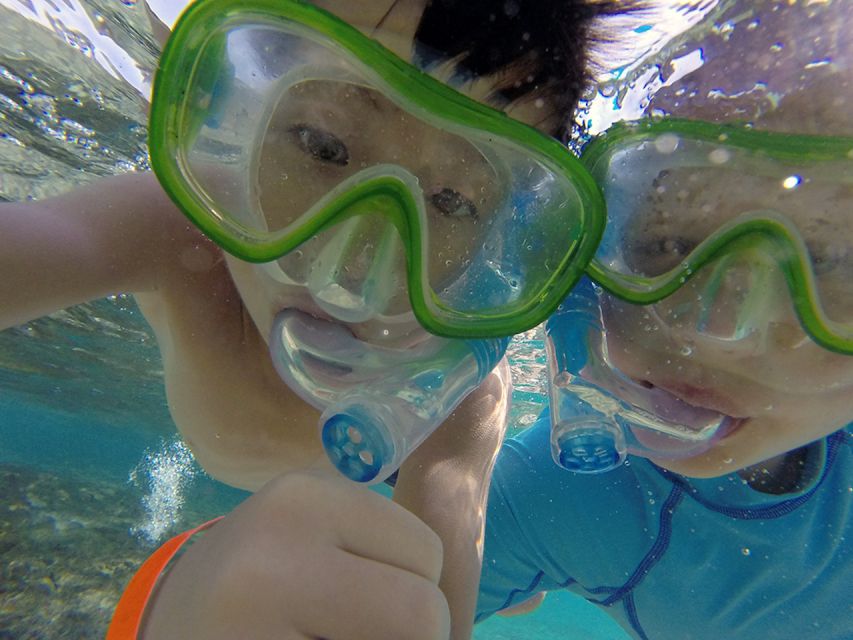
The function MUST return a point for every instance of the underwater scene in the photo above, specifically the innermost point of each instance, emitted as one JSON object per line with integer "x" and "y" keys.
{"x": 93, "y": 476}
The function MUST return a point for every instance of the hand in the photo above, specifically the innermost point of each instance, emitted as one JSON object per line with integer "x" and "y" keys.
{"x": 308, "y": 556}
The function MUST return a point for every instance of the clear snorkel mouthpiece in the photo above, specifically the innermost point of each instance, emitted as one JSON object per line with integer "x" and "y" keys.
{"x": 598, "y": 414}
{"x": 379, "y": 404}
{"x": 369, "y": 432}
{"x": 584, "y": 438}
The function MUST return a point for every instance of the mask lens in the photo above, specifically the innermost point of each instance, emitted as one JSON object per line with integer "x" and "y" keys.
{"x": 669, "y": 193}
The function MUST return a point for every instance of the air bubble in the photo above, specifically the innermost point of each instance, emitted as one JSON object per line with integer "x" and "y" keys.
{"x": 745, "y": 551}
{"x": 719, "y": 156}
{"x": 666, "y": 143}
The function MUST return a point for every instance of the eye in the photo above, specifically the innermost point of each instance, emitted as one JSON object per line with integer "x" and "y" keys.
{"x": 655, "y": 255}
{"x": 321, "y": 145}
{"x": 678, "y": 247}
{"x": 453, "y": 204}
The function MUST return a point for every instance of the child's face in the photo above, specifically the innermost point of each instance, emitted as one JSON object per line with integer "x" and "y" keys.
{"x": 786, "y": 390}
{"x": 326, "y": 132}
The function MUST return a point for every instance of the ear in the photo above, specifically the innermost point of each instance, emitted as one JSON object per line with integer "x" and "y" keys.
{"x": 158, "y": 29}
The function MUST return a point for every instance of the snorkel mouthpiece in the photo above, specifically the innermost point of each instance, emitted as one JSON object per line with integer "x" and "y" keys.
{"x": 379, "y": 404}
{"x": 368, "y": 432}
{"x": 583, "y": 439}
{"x": 598, "y": 414}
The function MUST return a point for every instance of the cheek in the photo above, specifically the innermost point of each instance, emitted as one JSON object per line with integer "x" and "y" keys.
{"x": 259, "y": 301}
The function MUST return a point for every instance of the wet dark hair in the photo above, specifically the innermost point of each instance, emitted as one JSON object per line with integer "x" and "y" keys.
{"x": 535, "y": 48}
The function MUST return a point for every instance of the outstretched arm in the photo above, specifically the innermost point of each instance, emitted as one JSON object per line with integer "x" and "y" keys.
{"x": 119, "y": 234}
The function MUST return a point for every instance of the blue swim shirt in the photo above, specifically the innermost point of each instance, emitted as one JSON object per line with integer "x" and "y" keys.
{"x": 670, "y": 557}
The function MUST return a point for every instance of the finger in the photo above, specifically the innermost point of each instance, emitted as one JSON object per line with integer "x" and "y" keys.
{"x": 352, "y": 518}
{"x": 360, "y": 599}
{"x": 380, "y": 530}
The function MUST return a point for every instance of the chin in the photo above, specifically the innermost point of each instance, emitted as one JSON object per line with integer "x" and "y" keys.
{"x": 700, "y": 467}
{"x": 754, "y": 441}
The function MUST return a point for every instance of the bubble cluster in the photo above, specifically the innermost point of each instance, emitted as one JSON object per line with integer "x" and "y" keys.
{"x": 164, "y": 477}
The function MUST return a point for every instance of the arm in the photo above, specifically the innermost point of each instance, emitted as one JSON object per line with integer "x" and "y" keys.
{"x": 119, "y": 234}
{"x": 445, "y": 482}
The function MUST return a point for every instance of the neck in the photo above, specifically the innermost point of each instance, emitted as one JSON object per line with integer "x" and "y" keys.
{"x": 778, "y": 475}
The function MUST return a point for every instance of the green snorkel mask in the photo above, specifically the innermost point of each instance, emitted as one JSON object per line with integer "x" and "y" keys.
{"x": 274, "y": 125}
{"x": 273, "y": 122}
{"x": 728, "y": 204}
{"x": 266, "y": 130}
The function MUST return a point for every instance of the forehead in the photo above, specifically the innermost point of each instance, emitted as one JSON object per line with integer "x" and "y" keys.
{"x": 391, "y": 22}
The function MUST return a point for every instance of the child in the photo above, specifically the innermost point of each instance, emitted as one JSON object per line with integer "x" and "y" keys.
{"x": 747, "y": 538}
{"x": 212, "y": 315}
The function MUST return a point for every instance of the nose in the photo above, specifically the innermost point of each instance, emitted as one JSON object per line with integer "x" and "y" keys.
{"x": 733, "y": 301}
{"x": 359, "y": 270}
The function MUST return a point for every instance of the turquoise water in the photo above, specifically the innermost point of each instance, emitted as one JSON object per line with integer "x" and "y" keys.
{"x": 94, "y": 477}
{"x": 92, "y": 473}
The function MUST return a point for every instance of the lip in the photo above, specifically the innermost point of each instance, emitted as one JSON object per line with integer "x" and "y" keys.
{"x": 697, "y": 396}
{"x": 702, "y": 398}
{"x": 392, "y": 332}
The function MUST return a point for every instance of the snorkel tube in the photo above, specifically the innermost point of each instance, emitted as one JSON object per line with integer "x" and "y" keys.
{"x": 598, "y": 414}
{"x": 584, "y": 438}
{"x": 379, "y": 404}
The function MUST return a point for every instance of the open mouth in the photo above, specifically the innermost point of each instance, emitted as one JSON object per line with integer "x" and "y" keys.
{"x": 319, "y": 359}
{"x": 677, "y": 428}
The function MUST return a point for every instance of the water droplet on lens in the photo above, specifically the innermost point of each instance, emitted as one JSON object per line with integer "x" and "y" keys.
{"x": 745, "y": 551}
{"x": 666, "y": 143}
{"x": 719, "y": 156}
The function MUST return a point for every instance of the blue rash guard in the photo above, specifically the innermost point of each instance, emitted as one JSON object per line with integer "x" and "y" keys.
{"x": 671, "y": 557}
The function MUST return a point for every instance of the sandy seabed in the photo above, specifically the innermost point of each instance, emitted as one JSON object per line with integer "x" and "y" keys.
{"x": 67, "y": 551}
